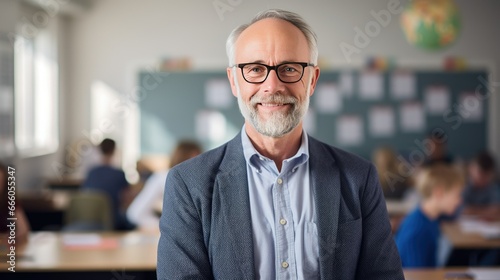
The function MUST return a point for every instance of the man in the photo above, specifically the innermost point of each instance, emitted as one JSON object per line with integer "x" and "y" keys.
{"x": 274, "y": 203}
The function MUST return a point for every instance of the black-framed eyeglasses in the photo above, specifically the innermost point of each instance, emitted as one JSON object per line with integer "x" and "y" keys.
{"x": 289, "y": 72}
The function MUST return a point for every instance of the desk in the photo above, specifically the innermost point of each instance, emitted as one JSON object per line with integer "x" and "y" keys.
{"x": 439, "y": 274}
{"x": 48, "y": 256}
{"x": 45, "y": 210}
{"x": 462, "y": 240}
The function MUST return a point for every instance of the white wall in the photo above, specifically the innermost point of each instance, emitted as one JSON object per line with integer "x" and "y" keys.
{"x": 32, "y": 171}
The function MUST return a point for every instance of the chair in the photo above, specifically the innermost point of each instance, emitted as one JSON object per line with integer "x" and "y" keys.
{"x": 89, "y": 211}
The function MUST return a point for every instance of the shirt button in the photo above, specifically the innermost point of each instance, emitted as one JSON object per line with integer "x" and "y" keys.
{"x": 280, "y": 181}
{"x": 284, "y": 264}
{"x": 283, "y": 222}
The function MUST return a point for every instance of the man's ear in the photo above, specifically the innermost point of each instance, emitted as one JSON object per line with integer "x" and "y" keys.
{"x": 314, "y": 79}
{"x": 230, "y": 75}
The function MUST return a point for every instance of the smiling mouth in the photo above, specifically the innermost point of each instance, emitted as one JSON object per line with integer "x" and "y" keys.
{"x": 271, "y": 104}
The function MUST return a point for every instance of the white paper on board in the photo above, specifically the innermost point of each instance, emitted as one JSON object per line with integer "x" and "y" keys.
{"x": 350, "y": 130}
{"x": 471, "y": 107}
{"x": 403, "y": 85}
{"x": 218, "y": 94}
{"x": 211, "y": 125}
{"x": 346, "y": 84}
{"x": 412, "y": 117}
{"x": 382, "y": 121}
{"x": 437, "y": 99}
{"x": 371, "y": 86}
{"x": 328, "y": 98}
{"x": 310, "y": 122}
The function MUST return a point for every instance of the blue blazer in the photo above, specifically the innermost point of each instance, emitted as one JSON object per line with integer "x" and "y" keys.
{"x": 206, "y": 230}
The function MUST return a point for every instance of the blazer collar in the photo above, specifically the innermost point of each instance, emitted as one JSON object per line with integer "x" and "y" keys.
{"x": 233, "y": 184}
{"x": 325, "y": 181}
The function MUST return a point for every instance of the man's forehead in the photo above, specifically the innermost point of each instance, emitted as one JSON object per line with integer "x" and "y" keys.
{"x": 274, "y": 37}
{"x": 272, "y": 27}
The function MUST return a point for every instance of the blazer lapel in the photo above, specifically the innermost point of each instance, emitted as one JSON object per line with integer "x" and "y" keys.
{"x": 325, "y": 179}
{"x": 233, "y": 184}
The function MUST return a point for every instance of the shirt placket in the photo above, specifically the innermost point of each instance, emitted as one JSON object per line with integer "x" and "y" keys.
{"x": 285, "y": 265}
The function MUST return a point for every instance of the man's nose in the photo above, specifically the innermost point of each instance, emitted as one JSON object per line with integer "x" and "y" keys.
{"x": 272, "y": 84}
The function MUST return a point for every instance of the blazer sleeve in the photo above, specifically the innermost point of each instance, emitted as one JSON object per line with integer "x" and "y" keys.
{"x": 182, "y": 253}
{"x": 379, "y": 258}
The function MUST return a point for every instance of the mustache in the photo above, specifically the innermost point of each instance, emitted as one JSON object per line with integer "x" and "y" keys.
{"x": 276, "y": 98}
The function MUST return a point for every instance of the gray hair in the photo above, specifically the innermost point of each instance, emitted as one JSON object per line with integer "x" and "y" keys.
{"x": 291, "y": 17}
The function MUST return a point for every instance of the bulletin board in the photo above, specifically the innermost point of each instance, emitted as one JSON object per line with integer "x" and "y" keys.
{"x": 356, "y": 110}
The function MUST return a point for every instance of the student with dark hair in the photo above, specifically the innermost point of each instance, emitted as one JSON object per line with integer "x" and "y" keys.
{"x": 438, "y": 152}
{"x": 481, "y": 189}
{"x": 109, "y": 180}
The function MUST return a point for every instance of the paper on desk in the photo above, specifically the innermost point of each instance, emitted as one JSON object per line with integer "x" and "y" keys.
{"x": 81, "y": 239}
{"x": 88, "y": 241}
{"x": 485, "y": 273}
{"x": 485, "y": 229}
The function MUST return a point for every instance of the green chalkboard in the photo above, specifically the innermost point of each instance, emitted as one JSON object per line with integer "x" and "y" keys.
{"x": 173, "y": 103}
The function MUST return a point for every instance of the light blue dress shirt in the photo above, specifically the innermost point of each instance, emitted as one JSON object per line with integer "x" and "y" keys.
{"x": 283, "y": 214}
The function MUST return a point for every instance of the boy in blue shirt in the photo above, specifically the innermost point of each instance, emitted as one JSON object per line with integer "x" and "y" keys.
{"x": 417, "y": 238}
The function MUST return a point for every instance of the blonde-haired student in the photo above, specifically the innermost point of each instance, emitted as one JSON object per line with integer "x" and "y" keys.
{"x": 417, "y": 238}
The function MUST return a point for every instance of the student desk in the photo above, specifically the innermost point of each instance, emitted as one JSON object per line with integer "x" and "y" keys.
{"x": 468, "y": 246}
{"x": 45, "y": 210}
{"x": 465, "y": 240}
{"x": 56, "y": 255}
{"x": 442, "y": 274}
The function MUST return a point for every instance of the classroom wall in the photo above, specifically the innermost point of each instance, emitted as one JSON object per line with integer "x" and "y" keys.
{"x": 109, "y": 42}
{"x": 31, "y": 172}
{"x": 115, "y": 36}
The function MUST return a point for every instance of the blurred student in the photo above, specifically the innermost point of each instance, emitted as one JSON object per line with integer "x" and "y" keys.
{"x": 481, "y": 189}
{"x": 417, "y": 238}
{"x": 142, "y": 212}
{"x": 22, "y": 227}
{"x": 111, "y": 181}
{"x": 437, "y": 149}
{"x": 394, "y": 184}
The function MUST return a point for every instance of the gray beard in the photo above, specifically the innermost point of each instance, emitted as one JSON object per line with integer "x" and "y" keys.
{"x": 279, "y": 123}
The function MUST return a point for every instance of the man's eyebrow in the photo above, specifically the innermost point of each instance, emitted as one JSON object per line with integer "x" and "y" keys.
{"x": 281, "y": 62}
{"x": 257, "y": 61}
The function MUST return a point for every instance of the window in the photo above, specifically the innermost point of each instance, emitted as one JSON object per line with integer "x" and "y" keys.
{"x": 36, "y": 94}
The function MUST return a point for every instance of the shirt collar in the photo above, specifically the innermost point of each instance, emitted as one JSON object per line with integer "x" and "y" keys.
{"x": 255, "y": 159}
